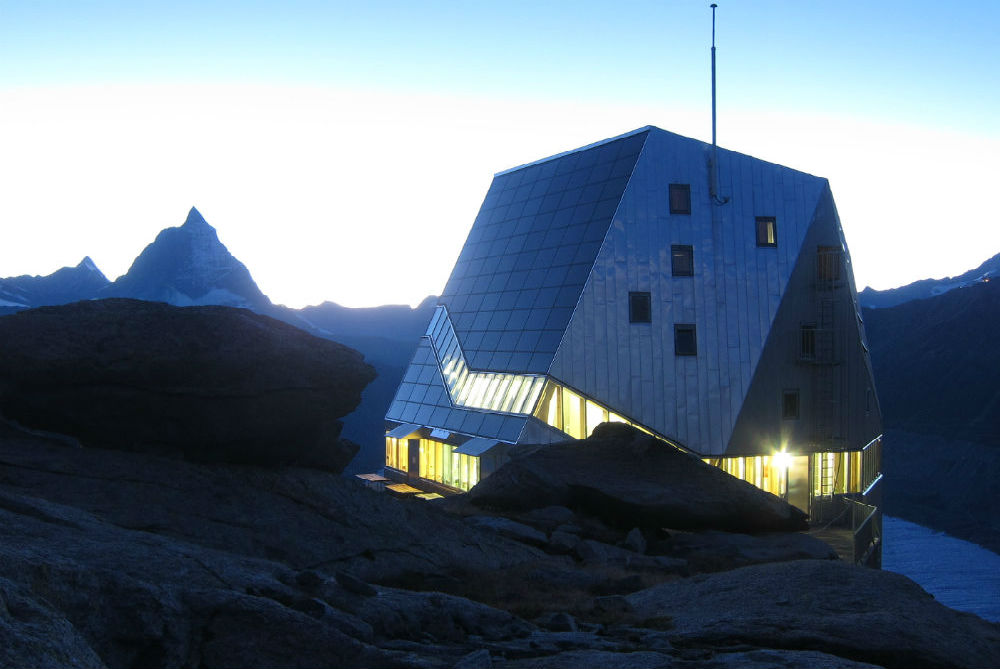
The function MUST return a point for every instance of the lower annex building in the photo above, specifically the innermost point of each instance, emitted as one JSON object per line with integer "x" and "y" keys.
{"x": 699, "y": 294}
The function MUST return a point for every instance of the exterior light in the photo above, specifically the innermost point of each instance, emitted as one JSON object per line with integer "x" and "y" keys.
{"x": 782, "y": 459}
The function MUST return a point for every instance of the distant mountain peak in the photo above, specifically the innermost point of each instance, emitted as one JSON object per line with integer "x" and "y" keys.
{"x": 919, "y": 290}
{"x": 195, "y": 219}
{"x": 189, "y": 265}
{"x": 89, "y": 264}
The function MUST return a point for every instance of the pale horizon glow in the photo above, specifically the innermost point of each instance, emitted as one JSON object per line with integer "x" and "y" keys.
{"x": 334, "y": 175}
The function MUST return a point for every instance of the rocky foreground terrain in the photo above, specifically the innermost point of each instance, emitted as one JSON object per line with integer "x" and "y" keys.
{"x": 136, "y": 552}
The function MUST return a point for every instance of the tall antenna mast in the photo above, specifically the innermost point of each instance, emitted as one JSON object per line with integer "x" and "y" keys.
{"x": 713, "y": 74}
{"x": 713, "y": 162}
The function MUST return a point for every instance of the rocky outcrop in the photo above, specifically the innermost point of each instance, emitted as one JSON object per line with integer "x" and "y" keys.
{"x": 861, "y": 614}
{"x": 210, "y": 383}
{"x": 630, "y": 479}
{"x": 120, "y": 559}
{"x": 127, "y": 559}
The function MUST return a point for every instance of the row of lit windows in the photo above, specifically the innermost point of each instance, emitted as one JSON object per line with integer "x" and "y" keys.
{"x": 438, "y": 462}
{"x": 680, "y": 203}
{"x": 493, "y": 391}
{"x": 507, "y": 393}
{"x": 573, "y": 413}
{"x": 767, "y": 472}
{"x": 832, "y": 473}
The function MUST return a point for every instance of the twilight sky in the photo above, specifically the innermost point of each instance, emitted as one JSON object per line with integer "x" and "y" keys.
{"x": 342, "y": 150}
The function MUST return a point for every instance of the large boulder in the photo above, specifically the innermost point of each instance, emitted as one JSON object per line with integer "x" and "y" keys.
{"x": 630, "y": 479}
{"x": 827, "y": 605}
{"x": 210, "y": 383}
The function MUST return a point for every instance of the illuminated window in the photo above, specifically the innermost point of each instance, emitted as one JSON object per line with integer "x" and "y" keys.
{"x": 680, "y": 198}
{"x": 790, "y": 405}
{"x": 767, "y": 231}
{"x": 807, "y": 347}
{"x": 682, "y": 260}
{"x": 573, "y": 414}
{"x": 596, "y": 414}
{"x": 397, "y": 453}
{"x": 639, "y": 309}
{"x": 685, "y": 339}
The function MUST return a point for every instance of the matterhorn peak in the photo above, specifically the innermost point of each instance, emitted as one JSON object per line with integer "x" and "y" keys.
{"x": 195, "y": 218}
{"x": 186, "y": 266}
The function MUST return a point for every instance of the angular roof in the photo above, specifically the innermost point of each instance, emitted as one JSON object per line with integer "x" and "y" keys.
{"x": 530, "y": 250}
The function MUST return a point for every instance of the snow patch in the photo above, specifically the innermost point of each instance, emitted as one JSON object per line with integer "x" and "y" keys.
{"x": 216, "y": 296}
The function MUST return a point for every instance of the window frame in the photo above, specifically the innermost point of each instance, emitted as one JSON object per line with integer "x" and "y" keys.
{"x": 828, "y": 262}
{"x": 688, "y": 253}
{"x": 811, "y": 329}
{"x": 762, "y": 239}
{"x": 686, "y": 327}
{"x": 633, "y": 295}
{"x": 790, "y": 393}
{"x": 679, "y": 188}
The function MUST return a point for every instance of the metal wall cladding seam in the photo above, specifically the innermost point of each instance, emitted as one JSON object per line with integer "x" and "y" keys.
{"x": 732, "y": 298}
{"x": 522, "y": 268}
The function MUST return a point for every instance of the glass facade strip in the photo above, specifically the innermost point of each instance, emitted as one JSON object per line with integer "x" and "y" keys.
{"x": 493, "y": 391}
{"x": 460, "y": 383}
{"x": 523, "y": 388}
{"x": 438, "y": 462}
{"x": 536, "y": 389}
{"x": 596, "y": 414}
{"x": 397, "y": 453}
{"x": 490, "y": 384}
{"x": 461, "y": 395}
{"x": 500, "y": 393}
{"x": 513, "y": 391}
{"x": 832, "y": 473}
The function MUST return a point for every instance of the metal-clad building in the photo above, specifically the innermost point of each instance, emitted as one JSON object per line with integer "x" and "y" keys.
{"x": 625, "y": 281}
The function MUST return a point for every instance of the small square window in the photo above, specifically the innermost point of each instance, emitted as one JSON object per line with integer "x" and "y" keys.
{"x": 680, "y": 198}
{"x": 682, "y": 260}
{"x": 807, "y": 348}
{"x": 790, "y": 405}
{"x": 639, "y": 310}
{"x": 767, "y": 231}
{"x": 685, "y": 339}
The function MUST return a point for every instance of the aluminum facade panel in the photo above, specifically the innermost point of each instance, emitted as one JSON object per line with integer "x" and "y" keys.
{"x": 732, "y": 298}
{"x": 530, "y": 251}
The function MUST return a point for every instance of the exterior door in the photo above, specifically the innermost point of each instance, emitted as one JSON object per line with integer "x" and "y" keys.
{"x": 798, "y": 482}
